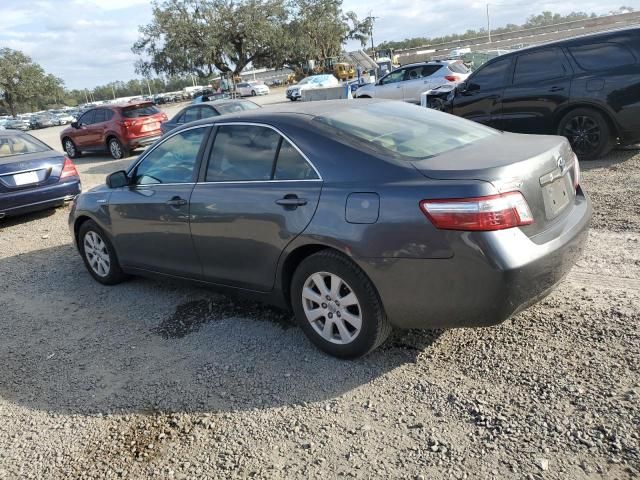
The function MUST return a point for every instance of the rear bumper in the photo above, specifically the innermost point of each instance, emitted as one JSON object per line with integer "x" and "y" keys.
{"x": 143, "y": 141}
{"x": 492, "y": 275}
{"x": 18, "y": 203}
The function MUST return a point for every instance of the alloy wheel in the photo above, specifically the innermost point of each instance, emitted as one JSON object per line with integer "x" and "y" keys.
{"x": 332, "y": 308}
{"x": 115, "y": 149}
{"x": 583, "y": 133}
{"x": 96, "y": 252}
{"x": 70, "y": 148}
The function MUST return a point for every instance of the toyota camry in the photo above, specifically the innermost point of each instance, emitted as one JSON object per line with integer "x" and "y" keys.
{"x": 360, "y": 216}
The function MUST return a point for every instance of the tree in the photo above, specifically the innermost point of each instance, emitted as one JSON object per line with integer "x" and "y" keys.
{"x": 24, "y": 83}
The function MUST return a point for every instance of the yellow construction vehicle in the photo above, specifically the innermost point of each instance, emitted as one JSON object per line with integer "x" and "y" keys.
{"x": 344, "y": 71}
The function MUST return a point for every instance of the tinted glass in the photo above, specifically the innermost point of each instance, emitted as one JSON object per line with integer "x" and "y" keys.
{"x": 491, "y": 75}
{"x": 237, "y": 106}
{"x": 291, "y": 165}
{"x": 405, "y": 130}
{"x": 108, "y": 115}
{"x": 242, "y": 153}
{"x": 142, "y": 111}
{"x": 207, "y": 112}
{"x": 458, "y": 67}
{"x": 87, "y": 118}
{"x": 539, "y": 66}
{"x": 602, "y": 56}
{"x": 20, "y": 145}
{"x": 393, "y": 77}
{"x": 100, "y": 116}
{"x": 191, "y": 114}
{"x": 173, "y": 161}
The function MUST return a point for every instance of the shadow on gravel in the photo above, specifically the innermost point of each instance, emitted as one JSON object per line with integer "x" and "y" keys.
{"x": 71, "y": 345}
{"x": 28, "y": 217}
{"x": 103, "y": 164}
{"x": 612, "y": 159}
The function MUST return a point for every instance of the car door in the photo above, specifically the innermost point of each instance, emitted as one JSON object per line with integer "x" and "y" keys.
{"x": 418, "y": 79}
{"x": 94, "y": 131}
{"x": 257, "y": 193}
{"x": 82, "y": 135}
{"x": 481, "y": 100}
{"x": 540, "y": 86}
{"x": 390, "y": 86}
{"x": 150, "y": 217}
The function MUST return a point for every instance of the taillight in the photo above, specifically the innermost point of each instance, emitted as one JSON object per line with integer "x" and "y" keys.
{"x": 493, "y": 212}
{"x": 451, "y": 78}
{"x": 129, "y": 123}
{"x": 68, "y": 169}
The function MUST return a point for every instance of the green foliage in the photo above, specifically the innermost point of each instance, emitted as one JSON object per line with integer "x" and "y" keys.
{"x": 24, "y": 86}
{"x": 207, "y": 36}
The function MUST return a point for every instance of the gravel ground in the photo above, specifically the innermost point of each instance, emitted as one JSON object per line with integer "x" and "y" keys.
{"x": 164, "y": 380}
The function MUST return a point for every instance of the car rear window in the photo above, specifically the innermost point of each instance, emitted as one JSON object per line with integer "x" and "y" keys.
{"x": 602, "y": 56}
{"x": 458, "y": 67}
{"x": 406, "y": 130}
{"x": 20, "y": 145}
{"x": 140, "y": 111}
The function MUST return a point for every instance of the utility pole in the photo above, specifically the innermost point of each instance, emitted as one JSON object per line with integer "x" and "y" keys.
{"x": 113, "y": 92}
{"x": 372, "y": 19}
{"x": 148, "y": 86}
{"x": 488, "y": 24}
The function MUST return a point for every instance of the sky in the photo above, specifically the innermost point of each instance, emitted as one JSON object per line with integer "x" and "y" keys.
{"x": 88, "y": 42}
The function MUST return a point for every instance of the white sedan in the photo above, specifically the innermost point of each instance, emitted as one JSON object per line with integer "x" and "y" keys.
{"x": 311, "y": 83}
{"x": 246, "y": 89}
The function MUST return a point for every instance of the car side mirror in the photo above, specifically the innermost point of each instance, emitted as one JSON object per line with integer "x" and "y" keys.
{"x": 75, "y": 125}
{"x": 117, "y": 179}
{"x": 462, "y": 87}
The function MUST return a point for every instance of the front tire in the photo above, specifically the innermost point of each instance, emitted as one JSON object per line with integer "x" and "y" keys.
{"x": 253, "y": 93}
{"x": 70, "y": 148}
{"x": 337, "y": 306}
{"x": 588, "y": 133}
{"x": 116, "y": 149}
{"x": 98, "y": 254}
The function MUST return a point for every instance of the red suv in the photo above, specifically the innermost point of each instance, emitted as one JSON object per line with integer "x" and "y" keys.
{"x": 117, "y": 129}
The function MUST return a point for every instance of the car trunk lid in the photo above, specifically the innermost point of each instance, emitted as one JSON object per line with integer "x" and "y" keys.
{"x": 542, "y": 167}
{"x": 142, "y": 119}
{"x": 18, "y": 172}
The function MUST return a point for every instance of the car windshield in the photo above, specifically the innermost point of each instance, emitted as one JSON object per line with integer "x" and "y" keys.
{"x": 236, "y": 107}
{"x": 406, "y": 130}
{"x": 314, "y": 79}
{"x": 139, "y": 111}
{"x": 20, "y": 145}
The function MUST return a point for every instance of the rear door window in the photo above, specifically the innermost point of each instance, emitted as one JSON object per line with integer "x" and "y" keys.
{"x": 602, "y": 56}
{"x": 100, "y": 116}
{"x": 242, "y": 153}
{"x": 291, "y": 165}
{"x": 539, "y": 66}
{"x": 491, "y": 75}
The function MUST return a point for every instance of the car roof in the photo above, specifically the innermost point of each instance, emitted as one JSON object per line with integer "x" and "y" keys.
{"x": 430, "y": 62}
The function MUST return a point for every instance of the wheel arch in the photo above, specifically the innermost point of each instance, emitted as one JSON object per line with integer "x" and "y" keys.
{"x": 562, "y": 112}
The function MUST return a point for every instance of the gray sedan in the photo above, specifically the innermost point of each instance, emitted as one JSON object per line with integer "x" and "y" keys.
{"x": 360, "y": 216}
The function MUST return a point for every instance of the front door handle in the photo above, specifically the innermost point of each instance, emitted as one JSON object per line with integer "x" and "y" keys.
{"x": 291, "y": 201}
{"x": 176, "y": 202}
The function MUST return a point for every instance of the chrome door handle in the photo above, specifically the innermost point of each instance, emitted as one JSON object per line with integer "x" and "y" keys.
{"x": 176, "y": 202}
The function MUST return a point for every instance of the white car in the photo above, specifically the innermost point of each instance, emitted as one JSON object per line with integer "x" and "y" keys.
{"x": 246, "y": 89}
{"x": 65, "y": 118}
{"x": 310, "y": 83}
{"x": 410, "y": 81}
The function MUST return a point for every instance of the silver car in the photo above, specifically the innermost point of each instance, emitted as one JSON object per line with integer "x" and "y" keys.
{"x": 409, "y": 81}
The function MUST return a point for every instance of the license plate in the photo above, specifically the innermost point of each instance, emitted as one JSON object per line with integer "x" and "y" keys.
{"x": 25, "y": 178}
{"x": 151, "y": 126}
{"x": 556, "y": 196}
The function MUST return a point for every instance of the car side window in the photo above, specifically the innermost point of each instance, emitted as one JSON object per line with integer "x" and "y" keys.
{"x": 393, "y": 77}
{"x": 491, "y": 75}
{"x": 87, "y": 118}
{"x": 242, "y": 153}
{"x": 99, "y": 116}
{"x": 172, "y": 161}
{"x": 191, "y": 115}
{"x": 539, "y": 66}
{"x": 413, "y": 73}
{"x": 108, "y": 115}
{"x": 291, "y": 165}
{"x": 207, "y": 112}
{"x": 602, "y": 56}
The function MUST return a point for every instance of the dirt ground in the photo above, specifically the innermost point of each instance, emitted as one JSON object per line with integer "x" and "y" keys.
{"x": 155, "y": 379}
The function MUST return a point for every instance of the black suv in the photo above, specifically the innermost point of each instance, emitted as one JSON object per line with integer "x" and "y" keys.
{"x": 586, "y": 89}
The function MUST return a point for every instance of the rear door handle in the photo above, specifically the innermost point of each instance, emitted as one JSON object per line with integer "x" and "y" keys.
{"x": 176, "y": 202}
{"x": 291, "y": 201}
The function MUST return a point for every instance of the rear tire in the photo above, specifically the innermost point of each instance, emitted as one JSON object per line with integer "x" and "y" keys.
{"x": 116, "y": 149}
{"x": 588, "y": 133}
{"x": 98, "y": 254}
{"x": 70, "y": 148}
{"x": 337, "y": 306}
{"x": 253, "y": 93}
